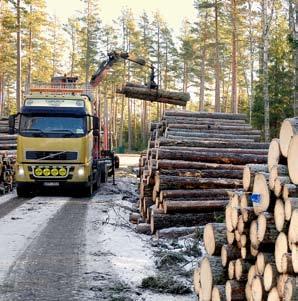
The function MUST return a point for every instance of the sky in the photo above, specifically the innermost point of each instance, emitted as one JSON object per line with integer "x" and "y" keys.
{"x": 173, "y": 11}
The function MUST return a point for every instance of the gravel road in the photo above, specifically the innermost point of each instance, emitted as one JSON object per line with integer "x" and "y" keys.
{"x": 62, "y": 248}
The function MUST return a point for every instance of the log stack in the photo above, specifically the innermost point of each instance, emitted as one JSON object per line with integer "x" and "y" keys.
{"x": 8, "y": 146}
{"x": 193, "y": 160}
{"x": 253, "y": 255}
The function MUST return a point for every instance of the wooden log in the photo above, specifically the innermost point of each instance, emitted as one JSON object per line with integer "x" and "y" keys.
{"x": 175, "y": 129}
{"x": 213, "y": 138}
{"x": 281, "y": 280}
{"x": 172, "y": 182}
{"x": 249, "y": 172}
{"x": 175, "y": 232}
{"x": 253, "y": 234}
{"x": 287, "y": 264}
{"x": 211, "y": 144}
{"x": 241, "y": 269}
{"x": 279, "y": 215}
{"x": 193, "y": 199}
{"x": 202, "y": 121}
{"x": 290, "y": 205}
{"x": 218, "y": 293}
{"x": 292, "y": 160}
{"x": 235, "y": 290}
{"x": 197, "y": 280}
{"x": 290, "y": 291}
{"x": 225, "y": 158}
{"x": 251, "y": 274}
{"x": 229, "y": 116}
{"x": 288, "y": 129}
{"x": 214, "y": 274}
{"x": 257, "y": 289}
{"x": 274, "y": 154}
{"x": 290, "y": 191}
{"x": 218, "y": 127}
{"x": 179, "y": 164}
{"x": 228, "y": 218}
{"x": 230, "y": 237}
{"x": 134, "y": 217}
{"x": 281, "y": 247}
{"x": 214, "y": 238}
{"x": 194, "y": 206}
{"x": 143, "y": 228}
{"x": 273, "y": 295}
{"x": 275, "y": 172}
{"x": 294, "y": 248}
{"x": 261, "y": 187}
{"x": 203, "y": 173}
{"x": 279, "y": 184}
{"x": 293, "y": 233}
{"x": 159, "y": 95}
{"x": 266, "y": 230}
{"x": 161, "y": 221}
{"x": 248, "y": 293}
{"x": 261, "y": 261}
{"x": 177, "y": 134}
{"x": 194, "y": 194}
{"x": 228, "y": 253}
{"x": 245, "y": 200}
{"x": 231, "y": 269}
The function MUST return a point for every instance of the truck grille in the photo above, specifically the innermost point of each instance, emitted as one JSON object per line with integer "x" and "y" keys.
{"x": 48, "y": 155}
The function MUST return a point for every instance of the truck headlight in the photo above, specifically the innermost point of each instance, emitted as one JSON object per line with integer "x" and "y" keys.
{"x": 21, "y": 171}
{"x": 81, "y": 171}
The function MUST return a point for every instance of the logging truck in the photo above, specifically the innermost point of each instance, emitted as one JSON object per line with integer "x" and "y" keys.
{"x": 58, "y": 143}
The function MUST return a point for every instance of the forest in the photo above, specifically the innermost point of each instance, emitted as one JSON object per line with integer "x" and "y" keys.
{"x": 237, "y": 56}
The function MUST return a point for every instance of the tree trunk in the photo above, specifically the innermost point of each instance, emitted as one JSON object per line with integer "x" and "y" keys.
{"x": 234, "y": 56}
{"x": 217, "y": 61}
{"x": 19, "y": 59}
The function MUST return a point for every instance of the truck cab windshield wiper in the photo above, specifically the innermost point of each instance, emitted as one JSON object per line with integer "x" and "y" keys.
{"x": 65, "y": 131}
{"x": 34, "y": 132}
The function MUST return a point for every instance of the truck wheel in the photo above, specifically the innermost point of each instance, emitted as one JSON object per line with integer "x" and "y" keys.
{"x": 23, "y": 191}
{"x": 103, "y": 174}
{"x": 86, "y": 191}
{"x": 117, "y": 162}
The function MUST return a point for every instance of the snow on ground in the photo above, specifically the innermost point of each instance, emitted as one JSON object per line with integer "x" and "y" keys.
{"x": 21, "y": 226}
{"x": 6, "y": 197}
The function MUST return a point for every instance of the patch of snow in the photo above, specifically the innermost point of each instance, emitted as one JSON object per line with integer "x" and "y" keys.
{"x": 126, "y": 251}
{"x": 22, "y": 225}
{"x": 6, "y": 197}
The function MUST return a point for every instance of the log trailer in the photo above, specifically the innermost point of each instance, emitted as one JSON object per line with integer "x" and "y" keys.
{"x": 59, "y": 138}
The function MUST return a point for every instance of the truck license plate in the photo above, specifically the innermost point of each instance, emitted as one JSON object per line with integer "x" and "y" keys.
{"x": 51, "y": 184}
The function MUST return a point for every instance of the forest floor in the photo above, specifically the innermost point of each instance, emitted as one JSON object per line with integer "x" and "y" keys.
{"x": 64, "y": 248}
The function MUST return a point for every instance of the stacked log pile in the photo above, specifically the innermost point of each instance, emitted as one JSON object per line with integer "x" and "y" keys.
{"x": 8, "y": 146}
{"x": 192, "y": 161}
{"x": 254, "y": 254}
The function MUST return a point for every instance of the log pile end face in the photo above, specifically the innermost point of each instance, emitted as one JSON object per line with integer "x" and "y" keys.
{"x": 293, "y": 160}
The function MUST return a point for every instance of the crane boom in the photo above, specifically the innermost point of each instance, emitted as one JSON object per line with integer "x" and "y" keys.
{"x": 114, "y": 57}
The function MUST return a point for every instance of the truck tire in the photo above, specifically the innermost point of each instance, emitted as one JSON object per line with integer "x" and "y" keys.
{"x": 24, "y": 191}
{"x": 103, "y": 174}
{"x": 86, "y": 191}
{"x": 117, "y": 162}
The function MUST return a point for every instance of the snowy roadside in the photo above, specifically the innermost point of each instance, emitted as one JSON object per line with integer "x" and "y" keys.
{"x": 117, "y": 258}
{"x": 19, "y": 228}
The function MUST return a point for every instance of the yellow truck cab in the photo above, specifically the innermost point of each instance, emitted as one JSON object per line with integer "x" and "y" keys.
{"x": 57, "y": 144}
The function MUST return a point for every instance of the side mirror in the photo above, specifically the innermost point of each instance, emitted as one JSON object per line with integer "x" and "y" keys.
{"x": 95, "y": 133}
{"x": 95, "y": 123}
{"x": 11, "y": 124}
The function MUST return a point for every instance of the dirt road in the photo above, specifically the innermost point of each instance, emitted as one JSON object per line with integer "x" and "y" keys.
{"x": 63, "y": 248}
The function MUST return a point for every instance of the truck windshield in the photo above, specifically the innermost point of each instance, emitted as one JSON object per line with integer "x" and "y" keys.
{"x": 52, "y": 126}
